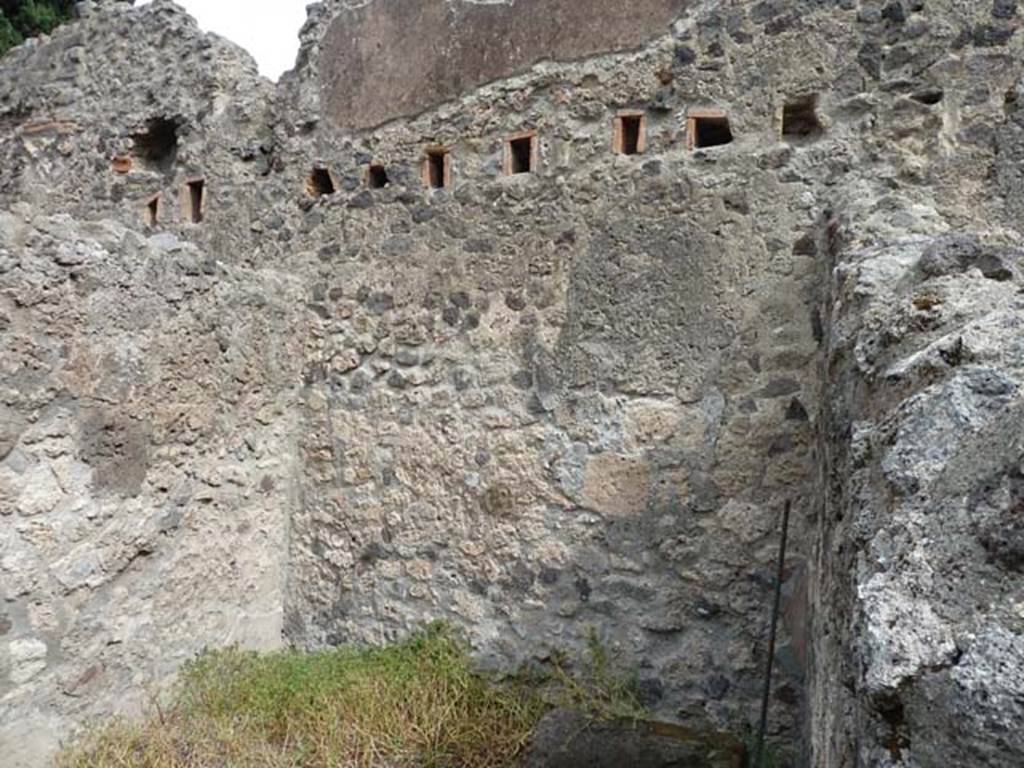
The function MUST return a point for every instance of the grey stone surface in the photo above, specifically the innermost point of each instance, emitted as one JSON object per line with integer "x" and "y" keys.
{"x": 918, "y": 602}
{"x": 539, "y": 406}
{"x": 566, "y": 739}
{"x": 144, "y": 488}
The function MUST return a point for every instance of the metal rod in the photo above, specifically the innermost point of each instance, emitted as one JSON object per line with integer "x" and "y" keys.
{"x": 771, "y": 638}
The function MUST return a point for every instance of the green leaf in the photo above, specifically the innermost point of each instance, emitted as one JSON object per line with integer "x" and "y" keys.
{"x": 39, "y": 17}
{"x": 9, "y": 36}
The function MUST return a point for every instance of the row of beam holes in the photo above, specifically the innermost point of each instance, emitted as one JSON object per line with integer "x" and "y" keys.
{"x": 195, "y": 191}
{"x": 705, "y": 128}
{"x": 321, "y": 182}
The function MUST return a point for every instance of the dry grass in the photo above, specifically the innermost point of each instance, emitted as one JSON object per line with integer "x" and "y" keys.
{"x": 418, "y": 703}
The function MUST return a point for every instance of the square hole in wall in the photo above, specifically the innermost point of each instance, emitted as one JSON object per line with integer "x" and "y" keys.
{"x": 708, "y": 128}
{"x": 195, "y": 192}
{"x": 521, "y": 154}
{"x": 320, "y": 182}
{"x": 800, "y": 118}
{"x": 629, "y": 136}
{"x": 377, "y": 177}
{"x": 437, "y": 168}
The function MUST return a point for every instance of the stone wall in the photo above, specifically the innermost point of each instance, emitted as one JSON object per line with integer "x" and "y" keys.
{"x": 573, "y": 400}
{"x": 147, "y": 425}
{"x": 921, "y": 549}
{"x": 76, "y": 111}
{"x": 916, "y": 634}
{"x": 149, "y": 381}
{"x": 543, "y": 406}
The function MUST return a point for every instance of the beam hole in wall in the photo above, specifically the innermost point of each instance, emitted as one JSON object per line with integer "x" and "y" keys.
{"x": 521, "y": 154}
{"x": 320, "y": 183}
{"x": 630, "y": 134}
{"x": 709, "y": 129}
{"x": 437, "y": 169}
{"x": 157, "y": 144}
{"x": 800, "y": 118}
{"x": 377, "y": 177}
{"x": 195, "y": 191}
{"x": 153, "y": 211}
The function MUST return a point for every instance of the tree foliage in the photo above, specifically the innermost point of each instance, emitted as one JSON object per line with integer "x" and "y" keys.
{"x": 9, "y": 36}
{"x": 20, "y": 19}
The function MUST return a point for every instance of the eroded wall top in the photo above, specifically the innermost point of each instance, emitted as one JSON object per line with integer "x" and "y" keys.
{"x": 424, "y": 52}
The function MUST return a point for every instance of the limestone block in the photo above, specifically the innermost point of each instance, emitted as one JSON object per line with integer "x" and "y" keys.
{"x": 616, "y": 485}
{"x": 40, "y": 492}
{"x": 28, "y": 659}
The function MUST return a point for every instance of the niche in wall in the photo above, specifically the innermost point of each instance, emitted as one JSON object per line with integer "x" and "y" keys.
{"x": 437, "y": 168}
{"x": 629, "y": 133}
{"x": 320, "y": 182}
{"x": 708, "y": 128}
{"x": 195, "y": 200}
{"x": 800, "y": 118}
{"x": 377, "y": 177}
{"x": 521, "y": 153}
{"x": 152, "y": 211}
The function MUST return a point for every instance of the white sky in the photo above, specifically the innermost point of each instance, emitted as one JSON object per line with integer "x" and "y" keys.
{"x": 268, "y": 29}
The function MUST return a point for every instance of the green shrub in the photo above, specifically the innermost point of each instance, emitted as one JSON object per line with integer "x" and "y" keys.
{"x": 9, "y": 36}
